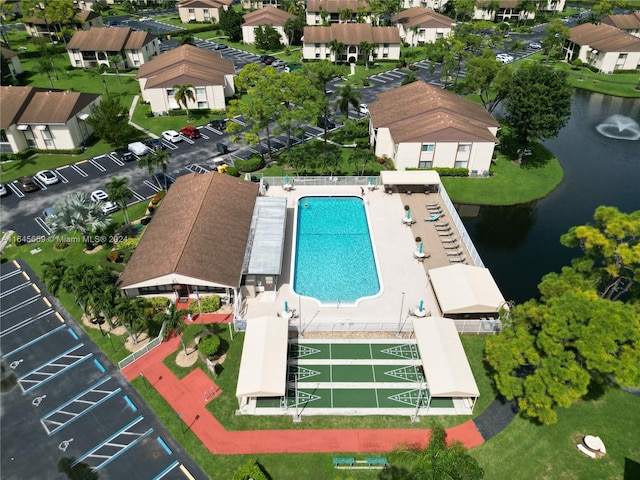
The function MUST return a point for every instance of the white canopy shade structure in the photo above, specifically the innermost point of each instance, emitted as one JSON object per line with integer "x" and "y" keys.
{"x": 410, "y": 177}
{"x": 443, "y": 359}
{"x": 263, "y": 366}
{"x": 462, "y": 289}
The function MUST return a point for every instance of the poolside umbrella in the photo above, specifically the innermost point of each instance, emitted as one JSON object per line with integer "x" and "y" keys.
{"x": 421, "y": 304}
{"x": 286, "y": 179}
{"x": 408, "y": 213}
{"x": 420, "y": 247}
{"x": 370, "y": 180}
{"x": 286, "y": 307}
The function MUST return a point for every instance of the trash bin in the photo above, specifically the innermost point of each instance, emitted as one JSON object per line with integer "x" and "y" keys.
{"x": 222, "y": 148}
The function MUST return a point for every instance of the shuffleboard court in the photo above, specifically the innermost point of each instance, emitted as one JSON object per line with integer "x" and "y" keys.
{"x": 353, "y": 351}
{"x": 355, "y": 373}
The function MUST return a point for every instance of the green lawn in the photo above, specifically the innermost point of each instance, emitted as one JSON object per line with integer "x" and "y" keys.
{"x": 539, "y": 452}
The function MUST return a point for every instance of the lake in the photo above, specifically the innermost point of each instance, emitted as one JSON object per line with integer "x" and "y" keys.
{"x": 521, "y": 243}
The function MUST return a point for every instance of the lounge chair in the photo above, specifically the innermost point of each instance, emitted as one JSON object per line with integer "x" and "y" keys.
{"x": 449, "y": 240}
{"x": 434, "y": 209}
{"x": 443, "y": 229}
{"x": 445, "y": 234}
{"x": 442, "y": 224}
{"x": 428, "y": 205}
{"x": 458, "y": 260}
{"x": 455, "y": 254}
{"x": 451, "y": 245}
{"x": 434, "y": 217}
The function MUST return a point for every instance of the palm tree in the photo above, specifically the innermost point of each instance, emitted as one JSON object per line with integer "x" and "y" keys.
{"x": 337, "y": 48}
{"x": 78, "y": 213}
{"x": 106, "y": 303}
{"x": 115, "y": 60}
{"x": 159, "y": 158}
{"x": 366, "y": 49}
{"x": 118, "y": 191}
{"x": 182, "y": 95}
{"x": 174, "y": 320}
{"x": 45, "y": 68}
{"x": 131, "y": 315}
{"x": 85, "y": 283}
{"x": 53, "y": 274}
{"x": 347, "y": 95}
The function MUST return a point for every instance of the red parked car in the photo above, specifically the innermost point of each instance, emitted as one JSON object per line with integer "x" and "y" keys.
{"x": 190, "y": 131}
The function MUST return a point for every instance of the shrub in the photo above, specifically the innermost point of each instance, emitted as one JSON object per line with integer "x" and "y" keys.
{"x": 208, "y": 304}
{"x": 252, "y": 469}
{"x": 145, "y": 220}
{"x": 128, "y": 244}
{"x": 362, "y": 142}
{"x": 233, "y": 171}
{"x": 401, "y": 64}
{"x": 58, "y": 246}
{"x": 158, "y": 197}
{"x": 365, "y": 82}
{"x": 418, "y": 239}
{"x": 159, "y": 304}
{"x": 413, "y": 68}
{"x": 114, "y": 256}
{"x": 254, "y": 163}
{"x": 209, "y": 345}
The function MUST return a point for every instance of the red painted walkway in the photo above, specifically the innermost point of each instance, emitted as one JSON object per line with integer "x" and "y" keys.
{"x": 187, "y": 397}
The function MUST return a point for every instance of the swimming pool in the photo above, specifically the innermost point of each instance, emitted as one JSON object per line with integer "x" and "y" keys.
{"x": 334, "y": 257}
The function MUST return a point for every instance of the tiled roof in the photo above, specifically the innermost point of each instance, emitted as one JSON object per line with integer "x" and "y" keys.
{"x": 420, "y": 112}
{"x": 80, "y": 17}
{"x": 38, "y": 106}
{"x": 336, "y": 6}
{"x": 630, "y": 21}
{"x": 6, "y": 53}
{"x": 422, "y": 17}
{"x": 267, "y": 16}
{"x": 109, "y": 39}
{"x": 205, "y": 4}
{"x": 200, "y": 231}
{"x": 184, "y": 65}
{"x": 604, "y": 38}
{"x": 351, "y": 34}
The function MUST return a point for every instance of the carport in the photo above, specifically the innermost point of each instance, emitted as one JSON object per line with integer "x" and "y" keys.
{"x": 410, "y": 181}
{"x": 466, "y": 291}
{"x": 444, "y": 361}
{"x": 263, "y": 366}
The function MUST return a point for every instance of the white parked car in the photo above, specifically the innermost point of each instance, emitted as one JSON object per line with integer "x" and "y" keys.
{"x": 145, "y": 19}
{"x": 47, "y": 177}
{"x": 364, "y": 109}
{"x": 534, "y": 46}
{"x": 3, "y": 190}
{"x": 171, "y": 136}
{"x": 107, "y": 206}
{"x": 504, "y": 58}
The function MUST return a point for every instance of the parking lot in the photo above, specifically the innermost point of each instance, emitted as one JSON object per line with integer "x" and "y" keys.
{"x": 63, "y": 399}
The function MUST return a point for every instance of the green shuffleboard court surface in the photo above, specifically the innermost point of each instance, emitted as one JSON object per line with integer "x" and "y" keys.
{"x": 353, "y": 351}
{"x": 355, "y": 373}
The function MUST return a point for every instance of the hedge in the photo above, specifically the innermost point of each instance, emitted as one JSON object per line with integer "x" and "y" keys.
{"x": 208, "y": 304}
{"x": 254, "y": 163}
{"x": 447, "y": 172}
{"x": 209, "y": 345}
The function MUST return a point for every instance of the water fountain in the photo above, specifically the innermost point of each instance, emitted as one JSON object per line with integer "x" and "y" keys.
{"x": 619, "y": 127}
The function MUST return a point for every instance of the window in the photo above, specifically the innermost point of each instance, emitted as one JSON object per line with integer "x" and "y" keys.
{"x": 78, "y": 63}
{"x": 428, "y": 147}
{"x": 425, "y": 164}
{"x": 192, "y": 11}
{"x": 48, "y": 142}
{"x": 385, "y": 55}
{"x": 317, "y": 45}
{"x": 75, "y": 51}
{"x": 386, "y": 45}
{"x": 200, "y": 91}
{"x": 464, "y": 147}
{"x": 155, "y": 289}
{"x": 170, "y": 92}
{"x": 317, "y": 55}
{"x": 203, "y": 104}
{"x": 461, "y": 164}
{"x": 136, "y": 63}
{"x": 3, "y": 136}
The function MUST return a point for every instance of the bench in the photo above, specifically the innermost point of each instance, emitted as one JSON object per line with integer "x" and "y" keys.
{"x": 343, "y": 461}
{"x": 377, "y": 462}
{"x": 584, "y": 450}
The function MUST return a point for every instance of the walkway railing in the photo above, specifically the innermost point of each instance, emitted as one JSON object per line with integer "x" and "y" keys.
{"x": 323, "y": 181}
{"x": 142, "y": 351}
{"x": 472, "y": 326}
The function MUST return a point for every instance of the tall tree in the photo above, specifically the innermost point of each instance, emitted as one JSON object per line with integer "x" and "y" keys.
{"x": 53, "y": 274}
{"x": 320, "y": 74}
{"x": 538, "y": 104}
{"x": 267, "y": 38}
{"x": 441, "y": 460}
{"x": 366, "y": 50}
{"x": 45, "y": 67}
{"x": 556, "y": 34}
{"x": 116, "y": 60}
{"x": 336, "y": 48}
{"x": 78, "y": 213}
{"x": 486, "y": 77}
{"x": 131, "y": 313}
{"x": 119, "y": 191}
{"x": 294, "y": 28}
{"x": 348, "y": 96}
{"x": 611, "y": 246}
{"x": 183, "y": 94}
{"x": 231, "y": 22}
{"x": 156, "y": 159}
{"x": 110, "y": 121}
{"x": 174, "y": 321}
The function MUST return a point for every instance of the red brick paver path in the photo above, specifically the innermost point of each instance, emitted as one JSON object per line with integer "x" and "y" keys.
{"x": 187, "y": 397}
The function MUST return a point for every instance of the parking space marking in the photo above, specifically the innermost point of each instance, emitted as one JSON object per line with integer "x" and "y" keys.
{"x": 197, "y": 168}
{"x": 19, "y": 193}
{"x": 10, "y": 274}
{"x": 18, "y": 306}
{"x": 239, "y": 122}
{"x": 169, "y": 145}
{"x": 14, "y": 289}
{"x": 168, "y": 469}
{"x": 203, "y": 135}
{"x": 43, "y": 225}
{"x": 81, "y": 172}
{"x": 109, "y": 446}
{"x": 115, "y": 159}
{"x": 43, "y": 374}
{"x": 217, "y": 132}
{"x": 71, "y": 410}
{"x": 152, "y": 186}
{"x": 136, "y": 195}
{"x": 39, "y": 183}
{"x": 35, "y": 340}
{"x": 95, "y": 163}
{"x": 62, "y": 178}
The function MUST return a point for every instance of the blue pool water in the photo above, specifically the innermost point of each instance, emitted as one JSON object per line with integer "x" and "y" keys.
{"x": 334, "y": 259}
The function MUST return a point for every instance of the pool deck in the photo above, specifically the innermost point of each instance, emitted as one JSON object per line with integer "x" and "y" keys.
{"x": 404, "y": 281}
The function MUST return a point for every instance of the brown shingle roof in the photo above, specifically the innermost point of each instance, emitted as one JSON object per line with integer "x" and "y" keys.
{"x": 202, "y": 66}
{"x": 267, "y": 16}
{"x": 13, "y": 101}
{"x": 55, "y": 107}
{"x": 200, "y": 231}
{"x": 6, "y": 53}
{"x": 630, "y": 21}
{"x": 109, "y": 39}
{"x": 205, "y": 4}
{"x": 604, "y": 38}
{"x": 422, "y": 17}
{"x": 336, "y": 6}
{"x": 421, "y": 112}
{"x": 351, "y": 34}
{"x": 80, "y": 17}
{"x": 86, "y": 15}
